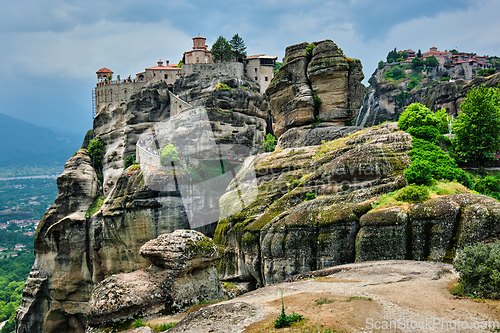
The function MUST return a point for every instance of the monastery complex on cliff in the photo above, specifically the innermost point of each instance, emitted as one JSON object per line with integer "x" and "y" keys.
{"x": 110, "y": 93}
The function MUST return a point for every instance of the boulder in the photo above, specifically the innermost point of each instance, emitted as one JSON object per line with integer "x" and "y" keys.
{"x": 183, "y": 273}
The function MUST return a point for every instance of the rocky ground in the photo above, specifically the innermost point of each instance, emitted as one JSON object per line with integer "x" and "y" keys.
{"x": 352, "y": 298}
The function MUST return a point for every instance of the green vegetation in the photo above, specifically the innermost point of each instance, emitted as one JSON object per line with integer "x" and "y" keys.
{"x": 352, "y": 298}
{"x": 26, "y": 198}
{"x": 13, "y": 274}
{"x": 277, "y": 67}
{"x": 309, "y": 50}
{"x": 129, "y": 160}
{"x": 396, "y": 73}
{"x": 431, "y": 62}
{"x": 489, "y": 186}
{"x": 169, "y": 155}
{"x": 96, "y": 152}
{"x": 479, "y": 269}
{"x": 238, "y": 47}
{"x": 323, "y": 300}
{"x": 317, "y": 101}
{"x": 477, "y": 127}
{"x": 392, "y": 56}
{"x": 417, "y": 115}
{"x": 223, "y": 86}
{"x": 283, "y": 319}
{"x": 310, "y": 196}
{"x": 96, "y": 205}
{"x": 270, "y": 143}
{"x": 436, "y": 188}
{"x": 486, "y": 72}
{"x": 413, "y": 193}
{"x": 380, "y": 64}
{"x": 221, "y": 50}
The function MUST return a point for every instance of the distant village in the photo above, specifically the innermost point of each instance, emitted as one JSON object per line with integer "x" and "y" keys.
{"x": 458, "y": 64}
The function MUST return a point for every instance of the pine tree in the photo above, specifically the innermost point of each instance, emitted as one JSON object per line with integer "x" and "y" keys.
{"x": 238, "y": 46}
{"x": 221, "y": 50}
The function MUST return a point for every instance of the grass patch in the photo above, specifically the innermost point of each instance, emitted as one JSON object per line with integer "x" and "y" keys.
{"x": 331, "y": 146}
{"x": 353, "y": 298}
{"x": 323, "y": 300}
{"x": 96, "y": 205}
{"x": 436, "y": 189}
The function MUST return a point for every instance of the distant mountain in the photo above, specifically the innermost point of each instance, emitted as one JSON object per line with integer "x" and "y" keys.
{"x": 25, "y": 146}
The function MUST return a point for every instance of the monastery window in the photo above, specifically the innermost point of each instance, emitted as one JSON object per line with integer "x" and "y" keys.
{"x": 255, "y": 70}
{"x": 166, "y": 76}
{"x": 197, "y": 59}
{"x": 256, "y": 78}
{"x": 154, "y": 74}
{"x": 265, "y": 79}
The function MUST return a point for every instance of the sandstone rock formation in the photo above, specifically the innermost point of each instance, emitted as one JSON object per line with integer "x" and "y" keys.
{"x": 60, "y": 281}
{"x": 283, "y": 232}
{"x": 308, "y": 76}
{"x": 183, "y": 273}
{"x": 74, "y": 253}
{"x": 384, "y": 100}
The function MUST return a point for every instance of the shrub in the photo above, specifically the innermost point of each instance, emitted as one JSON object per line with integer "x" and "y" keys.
{"x": 223, "y": 86}
{"x": 486, "y": 72}
{"x": 489, "y": 185}
{"x": 96, "y": 152}
{"x": 309, "y": 50}
{"x": 419, "y": 172}
{"x": 395, "y": 74}
{"x": 310, "y": 196}
{"x": 169, "y": 155}
{"x": 427, "y": 133}
{"x": 270, "y": 143}
{"x": 413, "y": 193}
{"x": 129, "y": 160}
{"x": 317, "y": 101}
{"x": 418, "y": 115}
{"x": 413, "y": 83}
{"x": 479, "y": 269}
{"x": 380, "y": 64}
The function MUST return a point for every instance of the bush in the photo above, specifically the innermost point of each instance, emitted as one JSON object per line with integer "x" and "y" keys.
{"x": 419, "y": 172}
{"x": 418, "y": 115}
{"x": 427, "y": 133}
{"x": 489, "y": 185}
{"x": 309, "y": 50}
{"x": 380, "y": 64}
{"x": 317, "y": 101}
{"x": 413, "y": 193}
{"x": 486, "y": 72}
{"x": 96, "y": 152}
{"x": 223, "y": 86}
{"x": 395, "y": 74}
{"x": 310, "y": 196}
{"x": 479, "y": 269}
{"x": 129, "y": 160}
{"x": 270, "y": 143}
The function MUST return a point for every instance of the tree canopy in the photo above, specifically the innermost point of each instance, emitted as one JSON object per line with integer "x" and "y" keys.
{"x": 238, "y": 46}
{"x": 169, "y": 155}
{"x": 221, "y": 50}
{"x": 477, "y": 127}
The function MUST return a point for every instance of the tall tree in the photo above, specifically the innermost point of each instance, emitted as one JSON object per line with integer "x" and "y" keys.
{"x": 238, "y": 46}
{"x": 477, "y": 127}
{"x": 221, "y": 50}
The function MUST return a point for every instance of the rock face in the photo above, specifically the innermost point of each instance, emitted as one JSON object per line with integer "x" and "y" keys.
{"x": 384, "y": 100}
{"x": 314, "y": 211}
{"x": 74, "y": 253}
{"x": 60, "y": 281}
{"x": 324, "y": 72}
{"x": 183, "y": 273}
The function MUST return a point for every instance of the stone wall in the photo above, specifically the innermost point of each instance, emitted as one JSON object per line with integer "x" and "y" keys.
{"x": 111, "y": 95}
{"x": 215, "y": 70}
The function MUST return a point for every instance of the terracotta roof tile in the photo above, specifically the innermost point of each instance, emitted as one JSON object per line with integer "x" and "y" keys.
{"x": 104, "y": 70}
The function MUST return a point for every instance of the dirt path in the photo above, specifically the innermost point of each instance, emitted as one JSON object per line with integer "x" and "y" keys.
{"x": 382, "y": 296}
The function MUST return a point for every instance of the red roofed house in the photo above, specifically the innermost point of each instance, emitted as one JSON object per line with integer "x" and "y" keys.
{"x": 260, "y": 68}
{"x": 442, "y": 57}
{"x": 168, "y": 73}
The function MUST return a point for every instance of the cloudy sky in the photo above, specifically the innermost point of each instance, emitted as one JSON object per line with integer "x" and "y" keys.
{"x": 51, "y": 49}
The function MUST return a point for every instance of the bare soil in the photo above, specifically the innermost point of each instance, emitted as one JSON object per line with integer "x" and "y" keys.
{"x": 381, "y": 296}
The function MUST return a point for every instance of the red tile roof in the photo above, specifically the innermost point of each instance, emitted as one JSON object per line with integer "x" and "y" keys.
{"x": 258, "y": 56}
{"x": 104, "y": 70}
